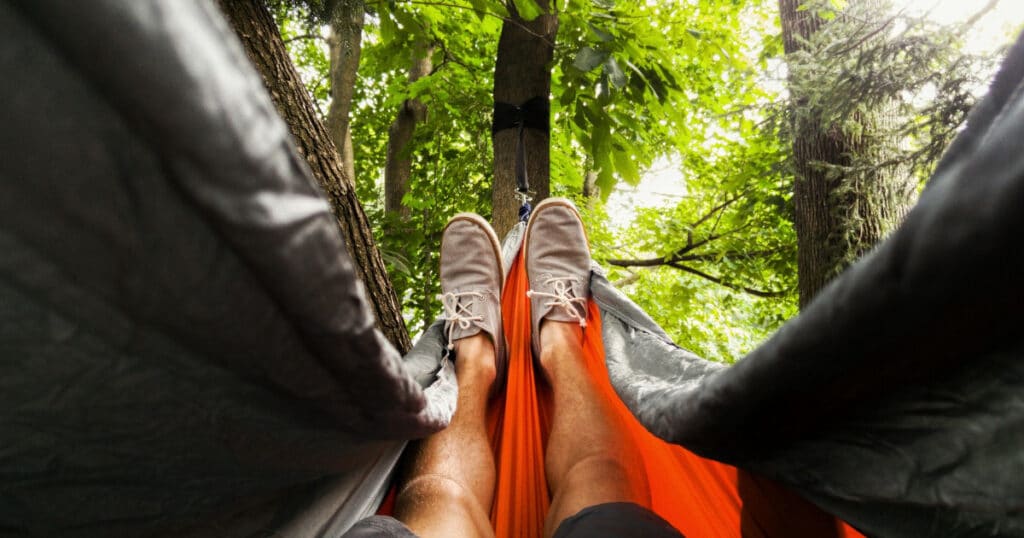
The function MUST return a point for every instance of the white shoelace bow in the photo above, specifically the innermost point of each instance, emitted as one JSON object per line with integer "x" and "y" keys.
{"x": 561, "y": 297}
{"x": 457, "y": 312}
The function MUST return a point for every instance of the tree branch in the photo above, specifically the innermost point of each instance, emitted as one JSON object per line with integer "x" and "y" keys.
{"x": 718, "y": 208}
{"x": 970, "y": 22}
{"x": 720, "y": 282}
{"x": 865, "y": 38}
{"x": 703, "y": 257}
{"x": 304, "y": 36}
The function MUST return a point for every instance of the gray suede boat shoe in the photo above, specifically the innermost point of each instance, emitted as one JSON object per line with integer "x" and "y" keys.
{"x": 472, "y": 277}
{"x": 557, "y": 259}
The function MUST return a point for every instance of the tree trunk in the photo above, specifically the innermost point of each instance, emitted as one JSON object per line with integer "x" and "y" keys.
{"x": 255, "y": 26}
{"x": 345, "y": 42}
{"x": 398, "y": 167}
{"x": 841, "y": 211}
{"x": 591, "y": 192}
{"x": 523, "y": 71}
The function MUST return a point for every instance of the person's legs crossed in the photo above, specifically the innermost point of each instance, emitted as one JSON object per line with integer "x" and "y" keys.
{"x": 450, "y": 484}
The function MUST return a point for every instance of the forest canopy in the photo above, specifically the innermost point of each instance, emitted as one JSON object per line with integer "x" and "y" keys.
{"x": 730, "y": 158}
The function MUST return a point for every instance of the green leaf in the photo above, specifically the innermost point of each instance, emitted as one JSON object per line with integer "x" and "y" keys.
{"x": 600, "y": 34}
{"x": 388, "y": 28}
{"x": 479, "y": 7}
{"x": 605, "y": 182}
{"x": 604, "y": 94}
{"x": 587, "y": 59}
{"x": 528, "y": 9}
{"x": 407, "y": 21}
{"x": 580, "y": 119}
{"x": 626, "y": 167}
{"x": 601, "y": 150}
{"x": 614, "y": 72}
{"x": 396, "y": 260}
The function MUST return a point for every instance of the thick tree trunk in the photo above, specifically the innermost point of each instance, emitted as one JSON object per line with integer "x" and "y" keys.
{"x": 263, "y": 44}
{"x": 523, "y": 71}
{"x": 345, "y": 42}
{"x": 841, "y": 211}
{"x": 398, "y": 167}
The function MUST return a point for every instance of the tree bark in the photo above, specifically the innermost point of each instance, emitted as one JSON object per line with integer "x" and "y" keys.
{"x": 522, "y": 71}
{"x": 258, "y": 32}
{"x": 398, "y": 166}
{"x": 345, "y": 43}
{"x": 590, "y": 191}
{"x": 841, "y": 211}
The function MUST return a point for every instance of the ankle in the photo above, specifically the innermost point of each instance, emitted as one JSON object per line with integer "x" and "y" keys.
{"x": 559, "y": 339}
{"x": 475, "y": 359}
{"x": 560, "y": 334}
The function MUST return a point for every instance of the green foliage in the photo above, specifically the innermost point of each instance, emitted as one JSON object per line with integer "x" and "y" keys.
{"x": 717, "y": 270}
{"x": 633, "y": 82}
{"x": 451, "y": 149}
{"x": 893, "y": 89}
{"x": 306, "y": 13}
{"x": 869, "y": 57}
{"x": 303, "y": 38}
{"x": 527, "y": 9}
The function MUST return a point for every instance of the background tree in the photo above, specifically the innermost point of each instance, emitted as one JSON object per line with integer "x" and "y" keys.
{"x": 345, "y": 18}
{"x": 412, "y": 111}
{"x": 851, "y": 67}
{"x": 332, "y": 72}
{"x": 860, "y": 79}
{"x": 449, "y": 153}
{"x": 841, "y": 210}
{"x": 522, "y": 72}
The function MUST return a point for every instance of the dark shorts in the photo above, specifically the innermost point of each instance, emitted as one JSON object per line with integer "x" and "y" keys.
{"x": 609, "y": 519}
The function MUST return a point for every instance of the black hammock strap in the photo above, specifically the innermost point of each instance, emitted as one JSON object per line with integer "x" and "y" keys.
{"x": 533, "y": 114}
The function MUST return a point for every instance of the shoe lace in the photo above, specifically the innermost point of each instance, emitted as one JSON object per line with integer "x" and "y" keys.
{"x": 563, "y": 297}
{"x": 458, "y": 312}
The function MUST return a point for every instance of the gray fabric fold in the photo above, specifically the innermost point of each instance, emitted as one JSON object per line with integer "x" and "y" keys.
{"x": 182, "y": 338}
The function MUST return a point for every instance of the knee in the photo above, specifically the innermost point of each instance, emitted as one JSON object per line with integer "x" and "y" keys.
{"x": 431, "y": 491}
{"x": 600, "y": 465}
{"x": 434, "y": 505}
{"x": 609, "y": 475}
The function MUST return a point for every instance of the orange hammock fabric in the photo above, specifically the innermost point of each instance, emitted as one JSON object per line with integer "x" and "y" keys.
{"x": 700, "y": 497}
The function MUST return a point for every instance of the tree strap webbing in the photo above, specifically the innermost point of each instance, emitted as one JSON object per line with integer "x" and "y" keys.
{"x": 533, "y": 114}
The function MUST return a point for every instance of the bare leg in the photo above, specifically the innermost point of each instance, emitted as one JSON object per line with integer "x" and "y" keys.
{"x": 451, "y": 484}
{"x": 588, "y": 456}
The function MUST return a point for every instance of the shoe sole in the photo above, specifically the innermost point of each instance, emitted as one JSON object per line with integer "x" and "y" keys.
{"x": 565, "y": 202}
{"x": 491, "y": 234}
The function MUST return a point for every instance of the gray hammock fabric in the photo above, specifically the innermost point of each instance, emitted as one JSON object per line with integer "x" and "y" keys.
{"x": 184, "y": 348}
